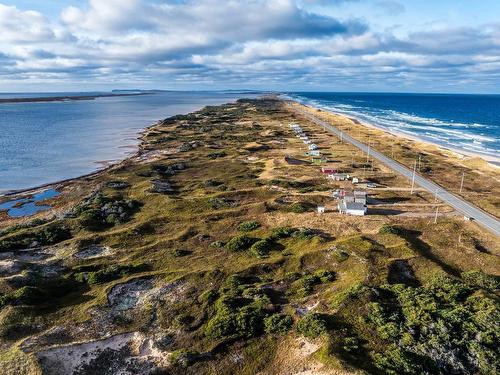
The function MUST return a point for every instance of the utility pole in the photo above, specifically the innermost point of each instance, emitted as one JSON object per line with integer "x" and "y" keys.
{"x": 436, "y": 196}
{"x": 413, "y": 177}
{"x": 419, "y": 162}
{"x": 462, "y": 182}
{"x": 436, "y": 216}
{"x": 368, "y": 151}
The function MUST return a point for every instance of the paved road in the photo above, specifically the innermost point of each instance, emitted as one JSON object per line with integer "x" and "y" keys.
{"x": 484, "y": 219}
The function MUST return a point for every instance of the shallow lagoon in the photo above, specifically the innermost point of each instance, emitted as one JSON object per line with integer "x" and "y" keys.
{"x": 28, "y": 206}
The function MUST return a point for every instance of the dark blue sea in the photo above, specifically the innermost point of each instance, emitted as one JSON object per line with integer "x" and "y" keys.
{"x": 45, "y": 142}
{"x": 464, "y": 122}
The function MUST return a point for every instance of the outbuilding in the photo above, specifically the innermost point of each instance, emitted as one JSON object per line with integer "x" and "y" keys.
{"x": 338, "y": 176}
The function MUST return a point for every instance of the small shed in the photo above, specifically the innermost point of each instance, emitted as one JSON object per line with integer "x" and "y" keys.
{"x": 321, "y": 209}
{"x": 360, "y": 196}
{"x": 313, "y": 147}
{"x": 355, "y": 180}
{"x": 328, "y": 170}
{"x": 338, "y": 176}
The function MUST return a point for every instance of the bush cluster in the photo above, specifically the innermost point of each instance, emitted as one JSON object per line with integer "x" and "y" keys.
{"x": 239, "y": 243}
{"x": 109, "y": 273}
{"x": 102, "y": 212}
{"x": 442, "y": 327}
{"x": 261, "y": 248}
{"x": 312, "y": 325}
{"x": 43, "y": 236}
{"x": 278, "y": 323}
{"x": 248, "y": 226}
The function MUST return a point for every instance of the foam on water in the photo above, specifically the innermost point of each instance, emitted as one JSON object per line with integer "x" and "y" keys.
{"x": 468, "y": 122}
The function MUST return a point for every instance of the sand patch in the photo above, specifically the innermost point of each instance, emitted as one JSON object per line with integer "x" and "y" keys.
{"x": 127, "y": 353}
{"x": 138, "y": 292}
{"x": 93, "y": 251}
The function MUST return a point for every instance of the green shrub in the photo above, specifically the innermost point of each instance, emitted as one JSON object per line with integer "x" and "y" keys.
{"x": 307, "y": 283}
{"x": 282, "y": 232}
{"x": 481, "y": 280}
{"x": 324, "y": 275}
{"x": 208, "y": 296}
{"x": 223, "y": 325}
{"x": 340, "y": 255}
{"x": 180, "y": 253}
{"x": 389, "y": 229}
{"x": 184, "y": 357}
{"x": 397, "y": 361}
{"x": 218, "y": 203}
{"x": 47, "y": 235}
{"x": 101, "y": 212}
{"x": 109, "y": 273}
{"x": 261, "y": 248}
{"x": 217, "y": 244}
{"x": 303, "y": 234}
{"x": 239, "y": 243}
{"x": 312, "y": 325}
{"x": 248, "y": 226}
{"x": 298, "y": 208}
{"x": 278, "y": 323}
{"x": 353, "y": 292}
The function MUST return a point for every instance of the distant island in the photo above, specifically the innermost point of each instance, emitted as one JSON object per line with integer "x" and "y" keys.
{"x": 72, "y": 98}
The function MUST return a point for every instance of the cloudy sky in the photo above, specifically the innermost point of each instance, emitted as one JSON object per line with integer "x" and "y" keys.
{"x": 329, "y": 45}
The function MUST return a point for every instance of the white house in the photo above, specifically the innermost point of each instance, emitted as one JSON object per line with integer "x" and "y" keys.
{"x": 352, "y": 208}
{"x": 321, "y": 209}
{"x": 313, "y": 147}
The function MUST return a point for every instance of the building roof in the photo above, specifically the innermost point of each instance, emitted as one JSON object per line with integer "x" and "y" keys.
{"x": 355, "y": 206}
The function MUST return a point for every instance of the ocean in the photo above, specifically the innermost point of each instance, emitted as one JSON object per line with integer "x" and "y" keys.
{"x": 44, "y": 142}
{"x": 462, "y": 122}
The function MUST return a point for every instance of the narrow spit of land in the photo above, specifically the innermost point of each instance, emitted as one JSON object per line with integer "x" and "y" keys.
{"x": 484, "y": 219}
{"x": 204, "y": 254}
{"x": 65, "y": 98}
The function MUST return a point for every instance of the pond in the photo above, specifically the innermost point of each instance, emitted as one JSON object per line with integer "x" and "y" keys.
{"x": 28, "y": 206}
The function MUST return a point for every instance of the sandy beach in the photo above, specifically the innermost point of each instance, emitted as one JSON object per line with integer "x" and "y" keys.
{"x": 459, "y": 152}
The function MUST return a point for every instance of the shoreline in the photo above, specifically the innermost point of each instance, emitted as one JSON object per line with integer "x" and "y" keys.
{"x": 490, "y": 159}
{"x": 103, "y": 167}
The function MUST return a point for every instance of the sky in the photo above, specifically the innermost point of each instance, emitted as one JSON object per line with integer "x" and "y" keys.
{"x": 278, "y": 45}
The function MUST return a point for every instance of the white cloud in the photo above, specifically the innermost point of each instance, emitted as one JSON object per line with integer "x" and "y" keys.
{"x": 235, "y": 42}
{"x": 18, "y": 26}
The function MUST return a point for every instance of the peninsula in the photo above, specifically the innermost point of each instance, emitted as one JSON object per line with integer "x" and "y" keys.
{"x": 219, "y": 248}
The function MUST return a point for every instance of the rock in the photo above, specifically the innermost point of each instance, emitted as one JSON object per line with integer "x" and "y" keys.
{"x": 118, "y": 185}
{"x": 10, "y": 267}
{"x": 160, "y": 186}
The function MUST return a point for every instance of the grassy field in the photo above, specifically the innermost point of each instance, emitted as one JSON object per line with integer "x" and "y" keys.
{"x": 203, "y": 254}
